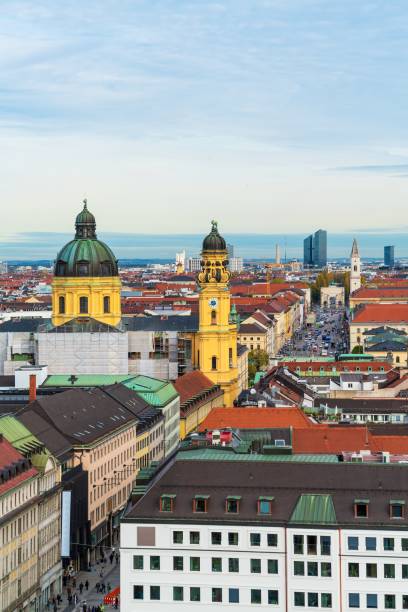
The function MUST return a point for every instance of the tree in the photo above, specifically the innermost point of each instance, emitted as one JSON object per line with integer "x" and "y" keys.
{"x": 257, "y": 360}
{"x": 358, "y": 350}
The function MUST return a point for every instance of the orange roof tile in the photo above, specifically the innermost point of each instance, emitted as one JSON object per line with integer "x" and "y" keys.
{"x": 382, "y": 313}
{"x": 192, "y": 384}
{"x": 255, "y": 418}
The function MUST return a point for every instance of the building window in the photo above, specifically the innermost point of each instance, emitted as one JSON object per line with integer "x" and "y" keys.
{"x": 232, "y": 504}
{"x": 230, "y": 358}
{"x": 255, "y": 539}
{"x": 352, "y": 543}
{"x": 389, "y": 602}
{"x": 216, "y": 564}
{"x": 256, "y": 596}
{"x": 200, "y": 503}
{"x": 106, "y": 269}
{"x": 216, "y": 595}
{"x": 216, "y": 538}
{"x": 178, "y": 593}
{"x": 177, "y": 537}
{"x": 154, "y": 563}
{"x": 178, "y": 564}
{"x": 83, "y": 269}
{"x": 233, "y": 538}
{"x": 214, "y": 363}
{"x": 138, "y": 591}
{"x": 371, "y": 570}
{"x": 194, "y": 537}
{"x": 405, "y": 602}
{"x": 194, "y": 564}
{"x": 273, "y": 597}
{"x": 255, "y": 565}
{"x": 298, "y": 544}
{"x": 233, "y": 565}
{"x": 325, "y": 570}
{"x": 397, "y": 509}
{"x": 312, "y": 568}
{"x": 325, "y": 545}
{"x": 272, "y": 566}
{"x": 272, "y": 539}
{"x": 353, "y": 570}
{"x": 326, "y": 600}
{"x": 404, "y": 570}
{"x": 389, "y": 570}
{"x": 371, "y": 543}
{"x": 83, "y": 305}
{"x": 388, "y": 543}
{"x": 61, "y": 304}
{"x": 213, "y": 317}
{"x": 298, "y": 568}
{"x": 138, "y": 562}
{"x": 354, "y": 600}
{"x": 61, "y": 267}
{"x": 311, "y": 545}
{"x": 167, "y": 503}
{"x": 265, "y": 505}
{"x": 313, "y": 600}
{"x": 154, "y": 593}
{"x": 299, "y": 599}
{"x": 106, "y": 304}
{"x": 361, "y": 508}
{"x": 233, "y": 595}
{"x": 195, "y": 594}
{"x": 404, "y": 544}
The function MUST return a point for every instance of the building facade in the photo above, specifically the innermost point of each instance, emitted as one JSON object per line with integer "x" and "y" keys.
{"x": 389, "y": 256}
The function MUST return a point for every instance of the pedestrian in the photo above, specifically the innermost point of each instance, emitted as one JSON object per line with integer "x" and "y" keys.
{"x": 103, "y": 587}
{"x": 108, "y": 587}
{"x": 84, "y": 608}
{"x": 101, "y": 574}
{"x": 81, "y": 587}
{"x": 111, "y": 557}
{"x": 97, "y": 587}
{"x": 117, "y": 558}
{"x": 87, "y": 584}
{"x": 116, "y": 603}
{"x": 59, "y": 598}
{"x": 70, "y": 599}
{"x": 74, "y": 582}
{"x": 55, "y": 607}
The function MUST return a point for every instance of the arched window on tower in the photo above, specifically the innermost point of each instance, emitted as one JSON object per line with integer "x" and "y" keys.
{"x": 214, "y": 363}
{"x": 61, "y": 304}
{"x": 83, "y": 305}
{"x": 213, "y": 317}
{"x": 106, "y": 304}
{"x": 355, "y": 268}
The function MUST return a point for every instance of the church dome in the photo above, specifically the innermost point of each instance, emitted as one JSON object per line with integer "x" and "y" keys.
{"x": 85, "y": 255}
{"x": 214, "y": 242}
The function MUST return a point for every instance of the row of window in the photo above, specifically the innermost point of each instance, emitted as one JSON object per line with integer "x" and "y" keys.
{"x": 396, "y": 508}
{"x": 194, "y": 564}
{"x": 217, "y": 594}
{"x": 201, "y": 504}
{"x": 310, "y": 545}
{"x": 355, "y": 570}
{"x": 388, "y": 544}
{"x": 83, "y": 304}
{"x": 255, "y": 539}
{"x": 83, "y": 269}
{"x": 372, "y": 600}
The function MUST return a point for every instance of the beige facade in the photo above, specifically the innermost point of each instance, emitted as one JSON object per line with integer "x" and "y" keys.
{"x": 358, "y": 328}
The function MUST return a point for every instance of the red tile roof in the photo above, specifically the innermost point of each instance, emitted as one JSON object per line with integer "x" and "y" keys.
{"x": 191, "y": 384}
{"x": 381, "y": 292}
{"x": 255, "y": 418}
{"x": 8, "y": 456}
{"x": 382, "y": 313}
{"x": 322, "y": 439}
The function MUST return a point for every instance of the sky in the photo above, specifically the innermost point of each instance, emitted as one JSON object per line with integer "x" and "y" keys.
{"x": 271, "y": 116}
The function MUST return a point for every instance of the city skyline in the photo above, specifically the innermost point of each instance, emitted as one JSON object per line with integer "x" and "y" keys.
{"x": 221, "y": 107}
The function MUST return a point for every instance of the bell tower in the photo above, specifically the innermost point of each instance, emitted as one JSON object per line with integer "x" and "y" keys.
{"x": 355, "y": 269}
{"x": 217, "y": 334}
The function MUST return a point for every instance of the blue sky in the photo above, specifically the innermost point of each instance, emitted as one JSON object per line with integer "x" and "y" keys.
{"x": 270, "y": 115}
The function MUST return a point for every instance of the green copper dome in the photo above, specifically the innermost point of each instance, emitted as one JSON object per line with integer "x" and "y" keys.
{"x": 85, "y": 255}
{"x": 214, "y": 242}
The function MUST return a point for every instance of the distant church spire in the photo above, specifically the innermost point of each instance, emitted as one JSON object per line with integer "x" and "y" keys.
{"x": 354, "y": 249}
{"x": 355, "y": 268}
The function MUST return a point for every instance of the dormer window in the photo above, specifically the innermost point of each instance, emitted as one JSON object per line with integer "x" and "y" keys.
{"x": 167, "y": 502}
{"x": 83, "y": 268}
{"x": 232, "y": 504}
{"x": 61, "y": 267}
{"x": 200, "y": 503}
{"x": 265, "y": 505}
{"x": 361, "y": 508}
{"x": 397, "y": 508}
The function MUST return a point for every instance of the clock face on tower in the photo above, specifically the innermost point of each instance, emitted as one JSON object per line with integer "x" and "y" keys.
{"x": 213, "y": 302}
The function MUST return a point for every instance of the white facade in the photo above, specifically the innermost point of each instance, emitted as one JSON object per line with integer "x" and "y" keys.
{"x": 355, "y": 268}
{"x": 194, "y": 264}
{"x": 236, "y": 264}
{"x": 295, "y": 569}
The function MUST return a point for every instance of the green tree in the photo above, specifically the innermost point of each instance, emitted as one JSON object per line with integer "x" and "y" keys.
{"x": 257, "y": 360}
{"x": 357, "y": 350}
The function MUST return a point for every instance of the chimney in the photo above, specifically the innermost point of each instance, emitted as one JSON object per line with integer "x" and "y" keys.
{"x": 33, "y": 387}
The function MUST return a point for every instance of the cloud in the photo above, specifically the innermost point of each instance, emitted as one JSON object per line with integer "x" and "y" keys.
{"x": 391, "y": 169}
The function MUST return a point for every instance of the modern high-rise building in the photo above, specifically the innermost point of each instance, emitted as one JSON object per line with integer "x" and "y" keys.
{"x": 389, "y": 258}
{"x": 308, "y": 251}
{"x": 315, "y": 249}
{"x": 230, "y": 249}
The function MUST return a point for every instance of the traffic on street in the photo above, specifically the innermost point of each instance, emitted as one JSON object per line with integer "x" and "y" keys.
{"x": 326, "y": 337}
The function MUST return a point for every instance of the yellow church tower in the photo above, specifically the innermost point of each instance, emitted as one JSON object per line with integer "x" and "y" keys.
{"x": 217, "y": 334}
{"x": 86, "y": 281}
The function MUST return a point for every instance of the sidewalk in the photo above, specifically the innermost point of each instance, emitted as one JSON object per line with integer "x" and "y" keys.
{"x": 111, "y": 574}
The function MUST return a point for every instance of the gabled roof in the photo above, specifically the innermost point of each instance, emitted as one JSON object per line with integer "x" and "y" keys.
{"x": 381, "y": 313}
{"x": 193, "y": 385}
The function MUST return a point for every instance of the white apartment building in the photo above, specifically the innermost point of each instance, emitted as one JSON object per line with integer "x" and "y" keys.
{"x": 218, "y": 530}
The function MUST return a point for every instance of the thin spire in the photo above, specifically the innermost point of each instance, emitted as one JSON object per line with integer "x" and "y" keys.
{"x": 354, "y": 249}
